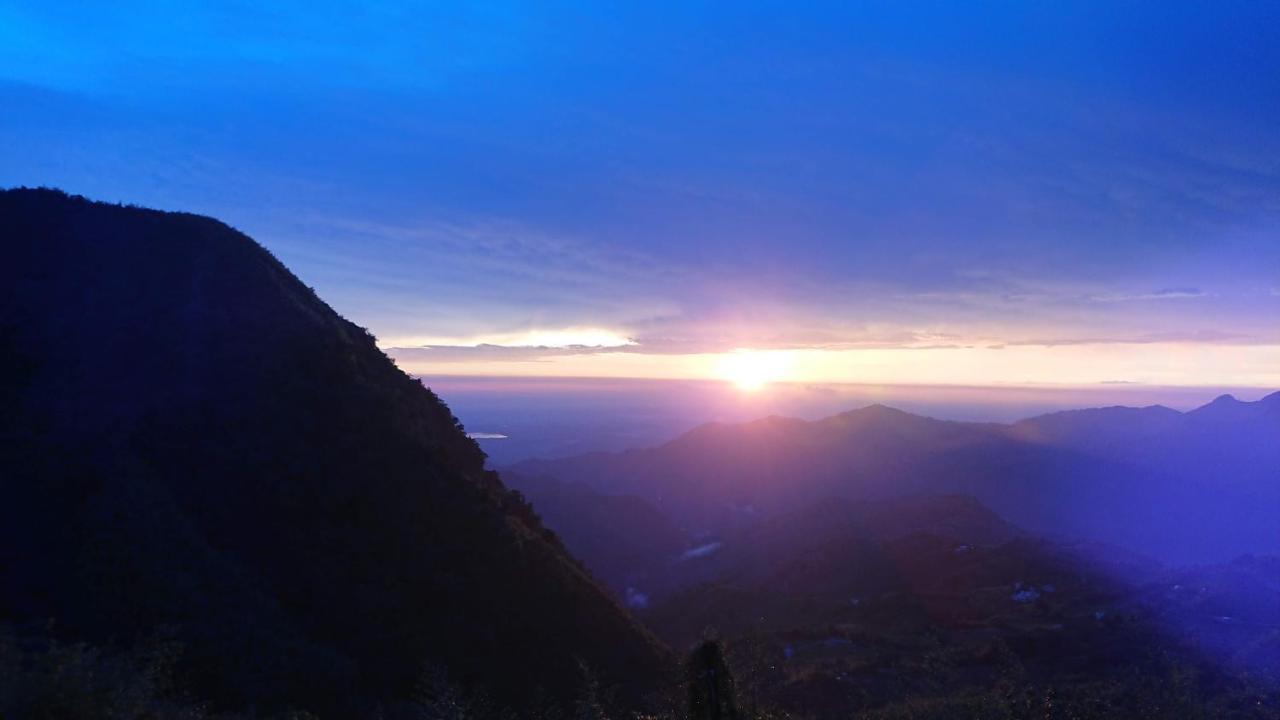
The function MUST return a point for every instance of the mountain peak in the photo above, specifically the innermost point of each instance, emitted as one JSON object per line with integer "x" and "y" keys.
{"x": 1224, "y": 403}
{"x": 882, "y": 408}
{"x": 876, "y": 410}
{"x": 1226, "y": 408}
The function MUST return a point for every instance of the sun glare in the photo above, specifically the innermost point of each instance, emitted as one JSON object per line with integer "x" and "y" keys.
{"x": 751, "y": 370}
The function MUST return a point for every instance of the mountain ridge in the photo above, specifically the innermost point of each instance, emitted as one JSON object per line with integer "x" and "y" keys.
{"x": 200, "y": 443}
{"x": 1074, "y": 472}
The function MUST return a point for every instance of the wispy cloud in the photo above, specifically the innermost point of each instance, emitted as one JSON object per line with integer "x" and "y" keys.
{"x": 1174, "y": 293}
{"x": 566, "y": 338}
{"x": 1195, "y": 337}
{"x": 456, "y": 354}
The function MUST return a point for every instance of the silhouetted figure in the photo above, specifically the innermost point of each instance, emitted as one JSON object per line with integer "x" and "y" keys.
{"x": 711, "y": 693}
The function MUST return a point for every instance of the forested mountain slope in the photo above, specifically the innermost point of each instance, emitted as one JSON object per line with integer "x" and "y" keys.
{"x": 194, "y": 443}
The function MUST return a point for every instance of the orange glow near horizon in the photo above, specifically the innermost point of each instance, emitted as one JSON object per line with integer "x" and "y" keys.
{"x": 1167, "y": 364}
{"x": 752, "y": 370}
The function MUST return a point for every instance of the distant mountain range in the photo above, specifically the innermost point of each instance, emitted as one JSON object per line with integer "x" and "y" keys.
{"x": 1197, "y": 486}
{"x": 194, "y": 445}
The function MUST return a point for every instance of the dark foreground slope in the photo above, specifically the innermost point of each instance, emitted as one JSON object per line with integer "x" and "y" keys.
{"x": 194, "y": 443}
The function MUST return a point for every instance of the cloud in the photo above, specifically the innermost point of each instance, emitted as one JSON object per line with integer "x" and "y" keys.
{"x": 487, "y": 353}
{"x": 1200, "y": 336}
{"x": 701, "y": 550}
{"x": 567, "y": 338}
{"x": 1173, "y": 293}
{"x": 506, "y": 251}
{"x": 694, "y": 338}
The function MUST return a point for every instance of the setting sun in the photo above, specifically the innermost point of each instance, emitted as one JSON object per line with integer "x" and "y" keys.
{"x": 751, "y": 370}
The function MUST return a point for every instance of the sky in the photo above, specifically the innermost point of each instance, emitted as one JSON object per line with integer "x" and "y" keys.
{"x": 998, "y": 193}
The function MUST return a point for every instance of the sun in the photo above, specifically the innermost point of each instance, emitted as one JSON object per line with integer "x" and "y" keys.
{"x": 751, "y": 370}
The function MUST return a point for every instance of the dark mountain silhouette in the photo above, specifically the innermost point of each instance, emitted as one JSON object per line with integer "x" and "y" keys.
{"x": 193, "y": 442}
{"x": 1193, "y": 486}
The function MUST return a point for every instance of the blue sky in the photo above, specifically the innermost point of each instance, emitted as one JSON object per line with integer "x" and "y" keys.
{"x": 992, "y": 190}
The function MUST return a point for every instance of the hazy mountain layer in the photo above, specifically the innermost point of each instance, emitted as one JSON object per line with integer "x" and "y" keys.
{"x": 1190, "y": 486}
